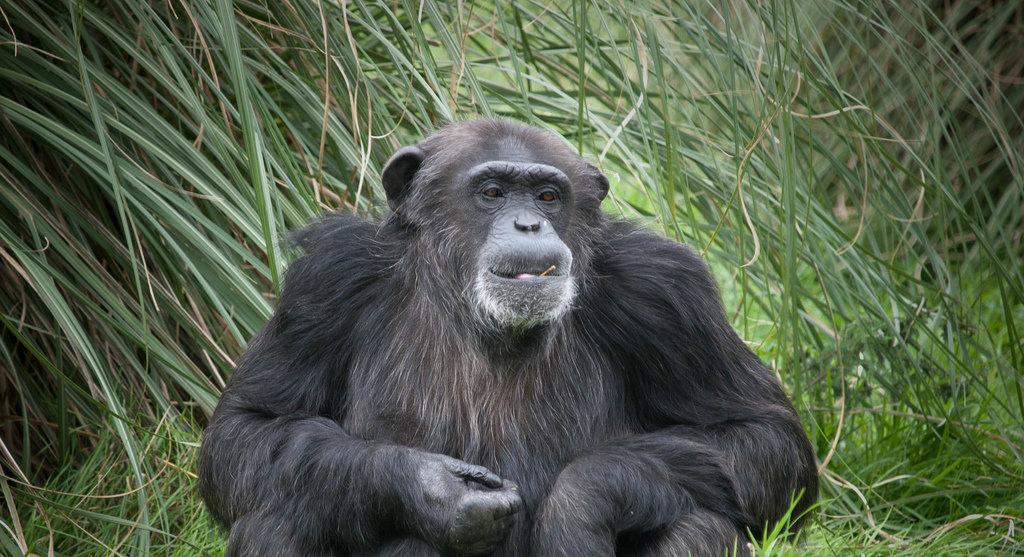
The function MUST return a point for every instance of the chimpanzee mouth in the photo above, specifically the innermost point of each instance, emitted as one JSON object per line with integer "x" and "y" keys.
{"x": 550, "y": 272}
{"x": 525, "y": 288}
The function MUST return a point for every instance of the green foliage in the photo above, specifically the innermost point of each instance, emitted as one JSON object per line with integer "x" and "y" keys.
{"x": 853, "y": 170}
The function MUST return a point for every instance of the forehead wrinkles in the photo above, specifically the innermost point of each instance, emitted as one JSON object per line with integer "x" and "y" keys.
{"x": 453, "y": 151}
{"x": 531, "y": 173}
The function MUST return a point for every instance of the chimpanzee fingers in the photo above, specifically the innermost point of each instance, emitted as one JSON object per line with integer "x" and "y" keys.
{"x": 481, "y": 523}
{"x": 479, "y": 511}
{"x": 474, "y": 473}
{"x": 506, "y": 503}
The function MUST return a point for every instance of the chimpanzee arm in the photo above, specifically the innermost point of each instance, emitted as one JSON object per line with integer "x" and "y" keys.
{"x": 322, "y": 487}
{"x": 277, "y": 467}
{"x": 717, "y": 433}
{"x": 272, "y": 447}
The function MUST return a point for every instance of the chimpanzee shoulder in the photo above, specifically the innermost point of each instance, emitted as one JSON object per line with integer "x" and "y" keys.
{"x": 654, "y": 309}
{"x": 334, "y": 281}
{"x": 338, "y": 271}
{"x": 647, "y": 283}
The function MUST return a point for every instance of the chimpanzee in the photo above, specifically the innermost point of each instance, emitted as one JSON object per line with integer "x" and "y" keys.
{"x": 499, "y": 368}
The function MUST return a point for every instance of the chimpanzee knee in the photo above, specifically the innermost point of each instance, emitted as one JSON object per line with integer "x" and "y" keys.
{"x": 697, "y": 534}
{"x": 266, "y": 535}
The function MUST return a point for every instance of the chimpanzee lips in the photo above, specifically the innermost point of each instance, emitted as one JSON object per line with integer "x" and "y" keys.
{"x": 549, "y": 272}
{"x": 528, "y": 284}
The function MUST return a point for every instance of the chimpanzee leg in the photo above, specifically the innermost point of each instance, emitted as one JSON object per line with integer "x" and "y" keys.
{"x": 265, "y": 535}
{"x": 406, "y": 547}
{"x": 698, "y": 534}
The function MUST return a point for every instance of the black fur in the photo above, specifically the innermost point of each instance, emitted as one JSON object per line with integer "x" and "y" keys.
{"x": 635, "y": 423}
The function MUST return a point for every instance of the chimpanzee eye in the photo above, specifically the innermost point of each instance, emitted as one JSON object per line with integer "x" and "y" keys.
{"x": 548, "y": 196}
{"x": 493, "y": 192}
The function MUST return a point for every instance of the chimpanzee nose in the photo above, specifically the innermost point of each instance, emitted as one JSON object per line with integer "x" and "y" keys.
{"x": 527, "y": 223}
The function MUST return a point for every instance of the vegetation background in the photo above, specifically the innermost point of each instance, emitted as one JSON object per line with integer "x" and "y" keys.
{"x": 853, "y": 170}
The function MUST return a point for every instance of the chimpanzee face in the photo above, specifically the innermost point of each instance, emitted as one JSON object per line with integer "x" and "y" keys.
{"x": 499, "y": 201}
{"x": 523, "y": 273}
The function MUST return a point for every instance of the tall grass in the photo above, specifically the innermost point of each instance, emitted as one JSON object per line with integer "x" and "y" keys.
{"x": 853, "y": 170}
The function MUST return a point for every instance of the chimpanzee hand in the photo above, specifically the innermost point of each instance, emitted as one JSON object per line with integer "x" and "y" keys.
{"x": 461, "y": 508}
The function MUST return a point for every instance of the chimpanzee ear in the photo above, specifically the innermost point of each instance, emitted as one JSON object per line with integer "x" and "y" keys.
{"x": 600, "y": 180}
{"x": 398, "y": 173}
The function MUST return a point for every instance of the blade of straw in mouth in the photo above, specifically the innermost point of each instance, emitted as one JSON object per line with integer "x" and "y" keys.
{"x": 546, "y": 271}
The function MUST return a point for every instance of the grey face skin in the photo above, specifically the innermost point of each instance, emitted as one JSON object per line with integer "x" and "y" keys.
{"x": 523, "y": 275}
